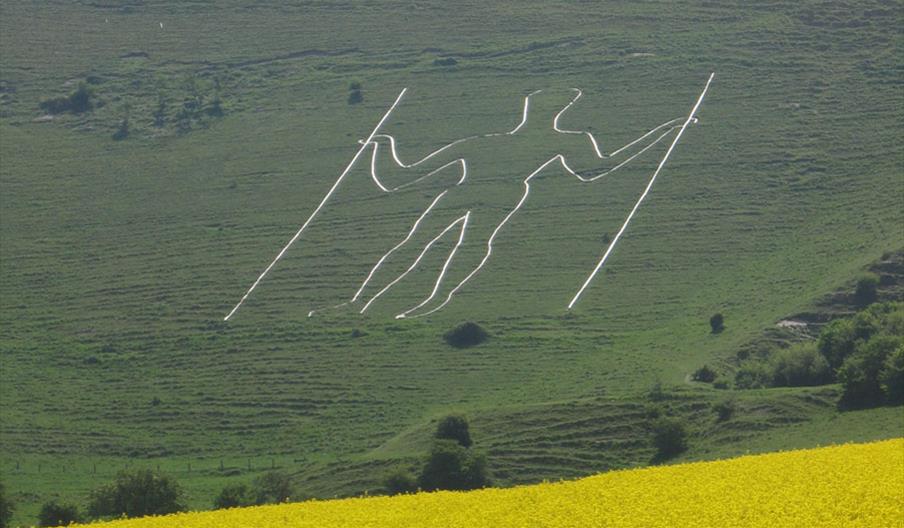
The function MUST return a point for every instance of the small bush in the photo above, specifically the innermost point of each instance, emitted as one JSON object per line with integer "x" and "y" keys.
{"x": 6, "y": 507}
{"x": 53, "y": 514}
{"x": 717, "y": 323}
{"x": 123, "y": 131}
{"x": 233, "y": 496}
{"x": 799, "y": 366}
{"x": 355, "y": 97}
{"x": 77, "y": 102}
{"x": 669, "y": 437}
{"x": 137, "y": 494}
{"x": 272, "y": 487}
{"x": 891, "y": 377}
{"x": 704, "y": 374}
{"x": 866, "y": 292}
{"x": 448, "y": 61}
{"x": 453, "y": 467}
{"x": 724, "y": 410}
{"x": 454, "y": 427}
{"x": 400, "y": 481}
{"x": 656, "y": 392}
{"x": 753, "y": 375}
{"x": 721, "y": 384}
{"x": 466, "y": 335}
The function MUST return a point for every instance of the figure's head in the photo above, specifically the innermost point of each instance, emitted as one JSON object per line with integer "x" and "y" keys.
{"x": 544, "y": 105}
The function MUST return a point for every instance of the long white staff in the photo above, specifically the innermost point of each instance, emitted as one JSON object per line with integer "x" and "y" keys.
{"x": 335, "y": 186}
{"x": 624, "y": 226}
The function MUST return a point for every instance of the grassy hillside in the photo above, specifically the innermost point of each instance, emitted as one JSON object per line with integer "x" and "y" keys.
{"x": 120, "y": 258}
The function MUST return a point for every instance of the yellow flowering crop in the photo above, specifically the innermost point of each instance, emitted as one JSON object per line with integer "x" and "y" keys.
{"x": 849, "y": 485}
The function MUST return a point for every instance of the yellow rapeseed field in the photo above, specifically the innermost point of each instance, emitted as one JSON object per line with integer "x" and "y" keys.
{"x": 849, "y": 485}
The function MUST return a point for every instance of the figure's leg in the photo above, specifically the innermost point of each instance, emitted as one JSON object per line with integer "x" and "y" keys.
{"x": 459, "y": 223}
{"x": 411, "y": 233}
{"x": 473, "y": 254}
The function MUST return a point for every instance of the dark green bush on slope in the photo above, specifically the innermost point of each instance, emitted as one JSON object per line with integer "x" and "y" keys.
{"x": 669, "y": 437}
{"x": 454, "y": 427}
{"x": 860, "y": 375}
{"x": 453, "y": 467}
{"x": 233, "y": 496}
{"x": 137, "y": 494}
{"x": 466, "y": 335}
{"x": 799, "y": 366}
{"x": 400, "y": 481}
{"x": 77, "y": 102}
{"x": 53, "y": 514}
{"x": 272, "y": 487}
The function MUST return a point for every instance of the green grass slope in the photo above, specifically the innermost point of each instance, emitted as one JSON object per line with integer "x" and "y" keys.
{"x": 120, "y": 258}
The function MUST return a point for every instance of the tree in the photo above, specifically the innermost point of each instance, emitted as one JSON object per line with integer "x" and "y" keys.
{"x": 867, "y": 290}
{"x": 454, "y": 427}
{"x": 717, "y": 323}
{"x": 466, "y": 335}
{"x": 859, "y": 375}
{"x": 272, "y": 487}
{"x": 753, "y": 374}
{"x": 137, "y": 494}
{"x": 400, "y": 481}
{"x": 53, "y": 514}
{"x": 704, "y": 374}
{"x": 232, "y": 496}
{"x": 837, "y": 341}
{"x": 669, "y": 437}
{"x": 453, "y": 467}
{"x": 891, "y": 377}
{"x": 799, "y": 366}
{"x": 724, "y": 409}
{"x": 6, "y": 507}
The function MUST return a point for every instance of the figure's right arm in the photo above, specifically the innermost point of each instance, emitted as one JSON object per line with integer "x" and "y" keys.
{"x": 390, "y": 173}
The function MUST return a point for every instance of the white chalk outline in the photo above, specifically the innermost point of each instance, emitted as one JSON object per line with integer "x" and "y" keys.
{"x": 464, "y": 220}
{"x": 624, "y": 226}
{"x": 317, "y": 210}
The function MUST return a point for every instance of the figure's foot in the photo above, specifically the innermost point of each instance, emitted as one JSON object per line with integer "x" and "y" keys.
{"x": 336, "y": 308}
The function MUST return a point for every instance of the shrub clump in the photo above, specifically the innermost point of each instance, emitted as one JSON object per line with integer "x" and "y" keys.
{"x": 717, "y": 323}
{"x": 137, "y": 494}
{"x": 466, "y": 335}
{"x": 54, "y": 514}
{"x": 454, "y": 427}
{"x": 233, "y": 496}
{"x": 400, "y": 481}
{"x": 77, "y": 102}
{"x": 866, "y": 291}
{"x": 704, "y": 374}
{"x": 453, "y": 467}
{"x": 863, "y": 373}
{"x": 355, "y": 95}
{"x": 799, "y": 366}
{"x": 669, "y": 437}
{"x": 724, "y": 410}
{"x": 272, "y": 487}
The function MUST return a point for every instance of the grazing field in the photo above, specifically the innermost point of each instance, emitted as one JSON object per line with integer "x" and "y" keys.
{"x": 120, "y": 258}
{"x": 848, "y": 485}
